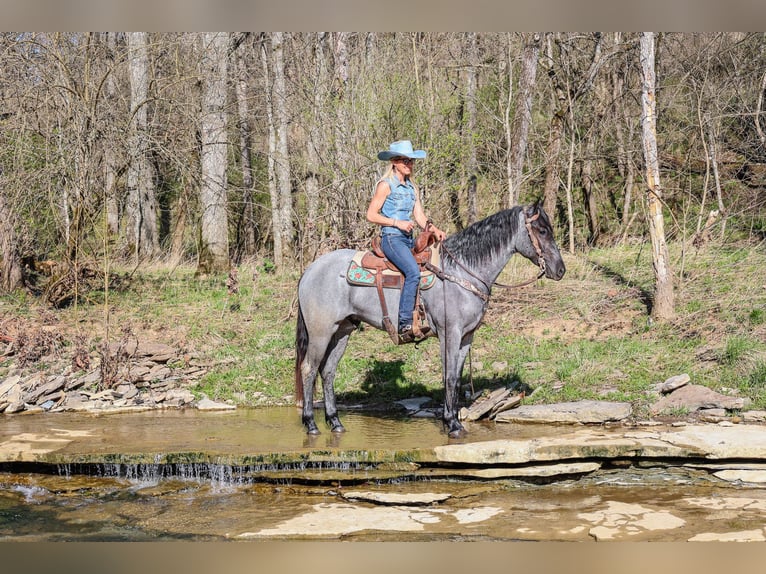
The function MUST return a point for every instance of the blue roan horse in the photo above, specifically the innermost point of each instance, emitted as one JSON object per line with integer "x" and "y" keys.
{"x": 330, "y": 309}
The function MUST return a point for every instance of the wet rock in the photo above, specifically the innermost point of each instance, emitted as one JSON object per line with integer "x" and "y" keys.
{"x": 741, "y": 475}
{"x": 178, "y": 397}
{"x": 75, "y": 401}
{"x": 568, "y": 412}
{"x": 15, "y": 407}
{"x": 534, "y": 471}
{"x": 620, "y": 520}
{"x": 741, "y": 536}
{"x": 396, "y": 498}
{"x": 695, "y": 397}
{"x": 414, "y": 405}
{"x": 205, "y": 404}
{"x": 712, "y": 442}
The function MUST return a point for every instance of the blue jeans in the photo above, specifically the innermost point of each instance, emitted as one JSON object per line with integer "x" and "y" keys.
{"x": 398, "y": 250}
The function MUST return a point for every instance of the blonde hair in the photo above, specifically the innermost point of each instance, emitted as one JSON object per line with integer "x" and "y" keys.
{"x": 390, "y": 173}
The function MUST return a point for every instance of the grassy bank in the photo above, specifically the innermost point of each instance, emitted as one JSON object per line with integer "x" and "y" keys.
{"x": 587, "y": 336}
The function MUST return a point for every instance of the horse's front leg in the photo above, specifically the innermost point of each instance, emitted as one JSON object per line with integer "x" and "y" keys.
{"x": 453, "y": 359}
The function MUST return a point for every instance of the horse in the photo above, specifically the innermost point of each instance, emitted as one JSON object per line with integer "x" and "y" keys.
{"x": 330, "y": 309}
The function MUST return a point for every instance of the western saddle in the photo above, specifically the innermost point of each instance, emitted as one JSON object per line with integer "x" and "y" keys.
{"x": 387, "y": 275}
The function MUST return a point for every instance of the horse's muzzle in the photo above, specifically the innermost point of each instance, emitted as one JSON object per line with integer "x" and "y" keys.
{"x": 555, "y": 272}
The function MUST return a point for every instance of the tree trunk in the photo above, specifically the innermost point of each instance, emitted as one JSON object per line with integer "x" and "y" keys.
{"x": 11, "y": 275}
{"x": 284, "y": 209}
{"x": 246, "y": 231}
{"x": 522, "y": 116}
{"x": 663, "y": 307}
{"x": 271, "y": 144}
{"x": 346, "y": 220}
{"x": 470, "y": 124}
{"x": 570, "y": 206}
{"x": 214, "y": 250}
{"x": 713, "y": 151}
{"x": 588, "y": 189}
{"x": 110, "y": 153}
{"x": 555, "y": 137}
{"x": 314, "y": 141}
{"x": 141, "y": 207}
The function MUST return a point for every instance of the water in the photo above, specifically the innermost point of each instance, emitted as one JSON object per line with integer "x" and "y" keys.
{"x": 185, "y": 475}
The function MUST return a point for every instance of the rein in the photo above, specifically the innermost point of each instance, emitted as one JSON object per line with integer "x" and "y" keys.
{"x": 475, "y": 290}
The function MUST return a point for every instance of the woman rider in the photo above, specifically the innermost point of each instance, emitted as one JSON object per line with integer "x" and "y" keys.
{"x": 396, "y": 207}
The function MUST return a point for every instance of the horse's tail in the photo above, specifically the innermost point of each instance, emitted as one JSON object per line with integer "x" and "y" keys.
{"x": 301, "y": 346}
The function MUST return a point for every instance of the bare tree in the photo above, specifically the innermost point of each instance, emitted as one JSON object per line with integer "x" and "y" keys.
{"x": 246, "y": 227}
{"x": 522, "y": 115}
{"x": 110, "y": 144}
{"x": 314, "y": 139}
{"x": 141, "y": 206}
{"x": 11, "y": 275}
{"x": 214, "y": 250}
{"x": 344, "y": 219}
{"x": 663, "y": 306}
{"x": 472, "y": 166}
{"x": 568, "y": 87}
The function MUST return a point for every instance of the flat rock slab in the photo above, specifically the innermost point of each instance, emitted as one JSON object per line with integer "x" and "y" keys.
{"x": 338, "y": 519}
{"x": 396, "y": 498}
{"x": 696, "y": 397}
{"x": 570, "y": 412}
{"x": 742, "y": 475}
{"x": 206, "y": 404}
{"x": 415, "y": 404}
{"x": 535, "y": 471}
{"x": 673, "y": 383}
{"x": 743, "y": 442}
{"x": 742, "y": 536}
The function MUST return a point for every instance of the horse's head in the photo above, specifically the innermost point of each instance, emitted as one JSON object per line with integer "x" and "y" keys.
{"x": 541, "y": 248}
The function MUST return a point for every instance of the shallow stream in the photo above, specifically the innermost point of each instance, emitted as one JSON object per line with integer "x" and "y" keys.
{"x": 210, "y": 499}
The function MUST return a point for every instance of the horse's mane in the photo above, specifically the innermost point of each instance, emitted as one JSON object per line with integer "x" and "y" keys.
{"x": 485, "y": 239}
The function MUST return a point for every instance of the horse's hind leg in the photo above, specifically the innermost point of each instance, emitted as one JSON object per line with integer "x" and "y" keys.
{"x": 328, "y": 369}
{"x": 309, "y": 369}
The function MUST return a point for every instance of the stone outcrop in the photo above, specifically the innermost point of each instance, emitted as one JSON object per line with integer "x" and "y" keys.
{"x": 696, "y": 397}
{"x": 139, "y": 376}
{"x": 568, "y": 412}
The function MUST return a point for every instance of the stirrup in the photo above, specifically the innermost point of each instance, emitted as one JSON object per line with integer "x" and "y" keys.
{"x": 406, "y": 335}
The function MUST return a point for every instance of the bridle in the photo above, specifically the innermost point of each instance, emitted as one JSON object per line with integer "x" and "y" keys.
{"x": 484, "y": 295}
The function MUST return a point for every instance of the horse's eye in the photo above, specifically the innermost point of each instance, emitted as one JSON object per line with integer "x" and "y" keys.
{"x": 542, "y": 231}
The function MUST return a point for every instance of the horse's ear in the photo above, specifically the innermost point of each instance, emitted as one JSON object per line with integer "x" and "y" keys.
{"x": 533, "y": 208}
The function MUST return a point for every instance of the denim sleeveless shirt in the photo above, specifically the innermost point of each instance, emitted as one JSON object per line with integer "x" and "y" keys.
{"x": 399, "y": 203}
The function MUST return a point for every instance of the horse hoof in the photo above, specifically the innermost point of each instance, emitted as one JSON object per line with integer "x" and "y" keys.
{"x": 338, "y": 428}
{"x": 312, "y": 430}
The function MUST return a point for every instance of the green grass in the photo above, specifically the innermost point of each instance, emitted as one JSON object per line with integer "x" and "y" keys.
{"x": 587, "y": 336}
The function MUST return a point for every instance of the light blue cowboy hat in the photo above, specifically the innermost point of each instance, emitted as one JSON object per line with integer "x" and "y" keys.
{"x": 402, "y": 148}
